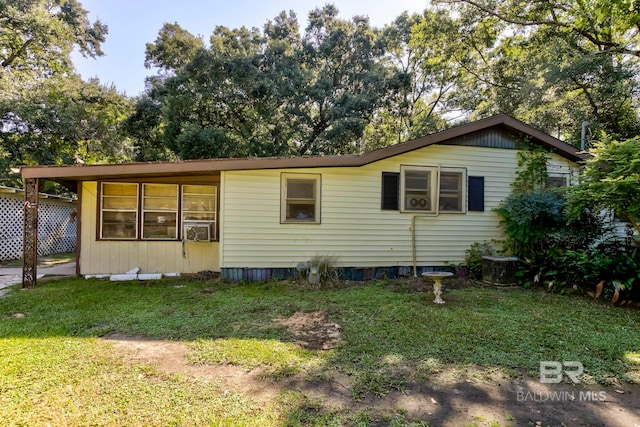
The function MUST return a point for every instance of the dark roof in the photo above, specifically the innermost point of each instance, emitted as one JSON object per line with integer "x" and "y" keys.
{"x": 213, "y": 166}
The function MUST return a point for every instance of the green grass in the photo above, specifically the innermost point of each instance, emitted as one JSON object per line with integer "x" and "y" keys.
{"x": 56, "y": 371}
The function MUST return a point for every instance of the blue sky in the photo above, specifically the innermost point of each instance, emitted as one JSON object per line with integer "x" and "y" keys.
{"x": 133, "y": 23}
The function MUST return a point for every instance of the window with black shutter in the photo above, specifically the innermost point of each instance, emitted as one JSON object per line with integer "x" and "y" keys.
{"x": 390, "y": 190}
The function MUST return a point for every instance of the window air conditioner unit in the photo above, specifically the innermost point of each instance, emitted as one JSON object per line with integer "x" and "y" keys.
{"x": 197, "y": 232}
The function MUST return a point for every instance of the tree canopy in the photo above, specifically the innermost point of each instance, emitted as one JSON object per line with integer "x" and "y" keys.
{"x": 49, "y": 115}
{"x": 271, "y": 92}
{"x": 611, "y": 181}
{"x": 332, "y": 86}
{"x": 556, "y": 64}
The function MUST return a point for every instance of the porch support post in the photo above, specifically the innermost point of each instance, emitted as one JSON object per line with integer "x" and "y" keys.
{"x": 30, "y": 233}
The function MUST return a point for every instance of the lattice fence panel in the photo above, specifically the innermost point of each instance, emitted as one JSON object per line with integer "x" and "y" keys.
{"x": 56, "y": 229}
{"x": 12, "y": 220}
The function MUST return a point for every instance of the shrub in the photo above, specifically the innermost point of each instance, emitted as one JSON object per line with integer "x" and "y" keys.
{"x": 325, "y": 267}
{"x": 616, "y": 267}
{"x": 536, "y": 222}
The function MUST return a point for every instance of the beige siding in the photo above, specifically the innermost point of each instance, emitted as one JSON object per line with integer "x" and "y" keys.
{"x": 110, "y": 257}
{"x": 353, "y": 228}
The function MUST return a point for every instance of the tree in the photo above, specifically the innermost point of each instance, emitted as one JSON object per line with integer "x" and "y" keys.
{"x": 173, "y": 49}
{"x": 343, "y": 83}
{"x": 37, "y": 36}
{"x": 63, "y": 121}
{"x": 48, "y": 114}
{"x": 607, "y": 25}
{"x": 553, "y": 68}
{"x": 265, "y": 93}
{"x": 144, "y": 127}
{"x": 421, "y": 50}
{"x": 610, "y": 181}
{"x": 218, "y": 104}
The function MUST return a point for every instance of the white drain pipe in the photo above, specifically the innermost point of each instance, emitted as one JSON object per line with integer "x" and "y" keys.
{"x": 413, "y": 239}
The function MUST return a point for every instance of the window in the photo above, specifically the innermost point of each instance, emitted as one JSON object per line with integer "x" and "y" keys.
{"x": 119, "y": 211}
{"x": 557, "y": 180}
{"x": 199, "y": 206}
{"x": 164, "y": 209}
{"x": 300, "y": 198}
{"x": 427, "y": 189}
{"x": 159, "y": 211}
{"x": 418, "y": 188}
{"x": 452, "y": 190}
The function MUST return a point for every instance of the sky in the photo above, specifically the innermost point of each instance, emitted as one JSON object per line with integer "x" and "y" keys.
{"x": 133, "y": 23}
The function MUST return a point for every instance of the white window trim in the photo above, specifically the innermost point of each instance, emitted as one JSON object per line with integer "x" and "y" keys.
{"x": 434, "y": 184}
{"x": 435, "y": 189}
{"x": 463, "y": 202}
{"x": 317, "y": 178}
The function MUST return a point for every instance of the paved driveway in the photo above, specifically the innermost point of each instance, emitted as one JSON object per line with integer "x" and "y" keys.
{"x": 12, "y": 275}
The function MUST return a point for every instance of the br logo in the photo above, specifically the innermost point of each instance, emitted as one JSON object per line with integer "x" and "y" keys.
{"x": 552, "y": 372}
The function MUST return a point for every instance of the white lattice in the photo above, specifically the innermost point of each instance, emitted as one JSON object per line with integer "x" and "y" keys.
{"x": 56, "y": 227}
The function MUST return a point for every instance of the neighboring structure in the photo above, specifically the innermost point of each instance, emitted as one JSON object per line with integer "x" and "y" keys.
{"x": 56, "y": 224}
{"x": 418, "y": 204}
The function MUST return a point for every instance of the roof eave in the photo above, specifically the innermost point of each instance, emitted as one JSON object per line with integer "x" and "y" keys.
{"x": 214, "y": 166}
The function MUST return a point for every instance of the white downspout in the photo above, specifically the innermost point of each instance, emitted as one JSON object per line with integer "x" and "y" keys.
{"x": 413, "y": 239}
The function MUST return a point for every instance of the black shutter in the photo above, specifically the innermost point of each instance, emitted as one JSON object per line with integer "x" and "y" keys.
{"x": 476, "y": 193}
{"x": 390, "y": 190}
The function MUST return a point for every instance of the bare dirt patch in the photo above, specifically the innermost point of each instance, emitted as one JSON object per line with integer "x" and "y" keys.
{"x": 450, "y": 397}
{"x": 171, "y": 357}
{"x": 312, "y": 330}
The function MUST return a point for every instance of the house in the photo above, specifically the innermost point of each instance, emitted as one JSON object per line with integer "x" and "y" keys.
{"x": 411, "y": 206}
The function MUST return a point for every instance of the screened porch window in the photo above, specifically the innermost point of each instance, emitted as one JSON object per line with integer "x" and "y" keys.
{"x": 156, "y": 211}
{"x": 300, "y": 198}
{"x": 119, "y": 211}
{"x": 199, "y": 206}
{"x": 160, "y": 211}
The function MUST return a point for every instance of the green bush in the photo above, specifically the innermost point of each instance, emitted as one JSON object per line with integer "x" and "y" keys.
{"x": 614, "y": 264}
{"x": 536, "y": 222}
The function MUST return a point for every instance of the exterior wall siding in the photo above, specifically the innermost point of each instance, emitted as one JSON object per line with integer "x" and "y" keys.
{"x": 113, "y": 257}
{"x": 494, "y": 138}
{"x": 353, "y": 229}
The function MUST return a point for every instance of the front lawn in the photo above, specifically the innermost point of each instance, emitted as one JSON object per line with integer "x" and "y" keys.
{"x": 56, "y": 370}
